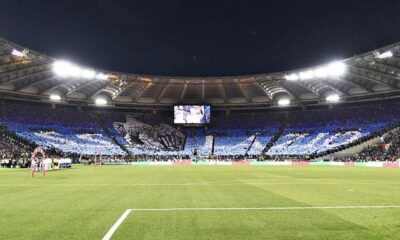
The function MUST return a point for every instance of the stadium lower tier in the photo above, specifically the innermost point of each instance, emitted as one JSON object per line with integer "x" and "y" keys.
{"x": 67, "y": 130}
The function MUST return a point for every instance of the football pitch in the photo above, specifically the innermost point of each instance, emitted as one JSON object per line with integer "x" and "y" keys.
{"x": 201, "y": 202}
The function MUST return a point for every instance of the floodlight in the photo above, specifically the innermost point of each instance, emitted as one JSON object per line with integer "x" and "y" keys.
{"x": 74, "y": 71}
{"x": 321, "y": 72}
{"x": 67, "y": 69}
{"x": 100, "y": 101}
{"x": 55, "y": 97}
{"x": 333, "y": 98}
{"x": 89, "y": 74}
{"x": 386, "y": 54}
{"x": 17, "y": 53}
{"x": 102, "y": 76}
{"x": 336, "y": 69}
{"x": 306, "y": 75}
{"x": 284, "y": 102}
{"x": 292, "y": 77}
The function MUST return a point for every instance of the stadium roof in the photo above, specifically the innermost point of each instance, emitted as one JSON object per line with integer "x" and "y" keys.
{"x": 26, "y": 74}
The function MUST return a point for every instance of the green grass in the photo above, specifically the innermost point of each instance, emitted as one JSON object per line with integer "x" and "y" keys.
{"x": 83, "y": 203}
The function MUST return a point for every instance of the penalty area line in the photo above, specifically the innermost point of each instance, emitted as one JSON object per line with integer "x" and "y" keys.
{"x": 116, "y": 225}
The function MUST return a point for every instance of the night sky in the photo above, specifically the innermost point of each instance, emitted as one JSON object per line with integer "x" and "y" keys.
{"x": 201, "y": 38}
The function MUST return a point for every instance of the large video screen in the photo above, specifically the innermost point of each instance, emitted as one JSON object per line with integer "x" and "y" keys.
{"x": 192, "y": 114}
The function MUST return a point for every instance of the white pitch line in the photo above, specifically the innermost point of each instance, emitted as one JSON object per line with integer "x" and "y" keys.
{"x": 114, "y": 228}
{"x": 263, "y": 208}
{"x": 116, "y": 225}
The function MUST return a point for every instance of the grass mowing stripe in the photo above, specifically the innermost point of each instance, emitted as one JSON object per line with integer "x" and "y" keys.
{"x": 184, "y": 185}
{"x": 261, "y": 208}
{"x": 201, "y": 184}
{"x": 116, "y": 225}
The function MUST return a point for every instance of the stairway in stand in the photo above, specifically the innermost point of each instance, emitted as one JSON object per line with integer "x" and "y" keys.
{"x": 276, "y": 136}
{"x": 251, "y": 144}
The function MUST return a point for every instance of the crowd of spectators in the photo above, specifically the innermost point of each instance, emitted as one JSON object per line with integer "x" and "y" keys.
{"x": 65, "y": 129}
{"x": 305, "y": 134}
{"x": 316, "y": 132}
{"x": 387, "y": 150}
{"x": 13, "y": 151}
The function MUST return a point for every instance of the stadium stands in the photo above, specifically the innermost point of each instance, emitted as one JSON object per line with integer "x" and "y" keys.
{"x": 313, "y": 132}
{"x": 67, "y": 130}
{"x": 244, "y": 133}
{"x": 387, "y": 150}
{"x": 13, "y": 150}
{"x": 260, "y": 141}
{"x": 235, "y": 143}
{"x": 198, "y": 140}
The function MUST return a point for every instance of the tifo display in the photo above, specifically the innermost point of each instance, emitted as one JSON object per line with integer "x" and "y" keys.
{"x": 136, "y": 136}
